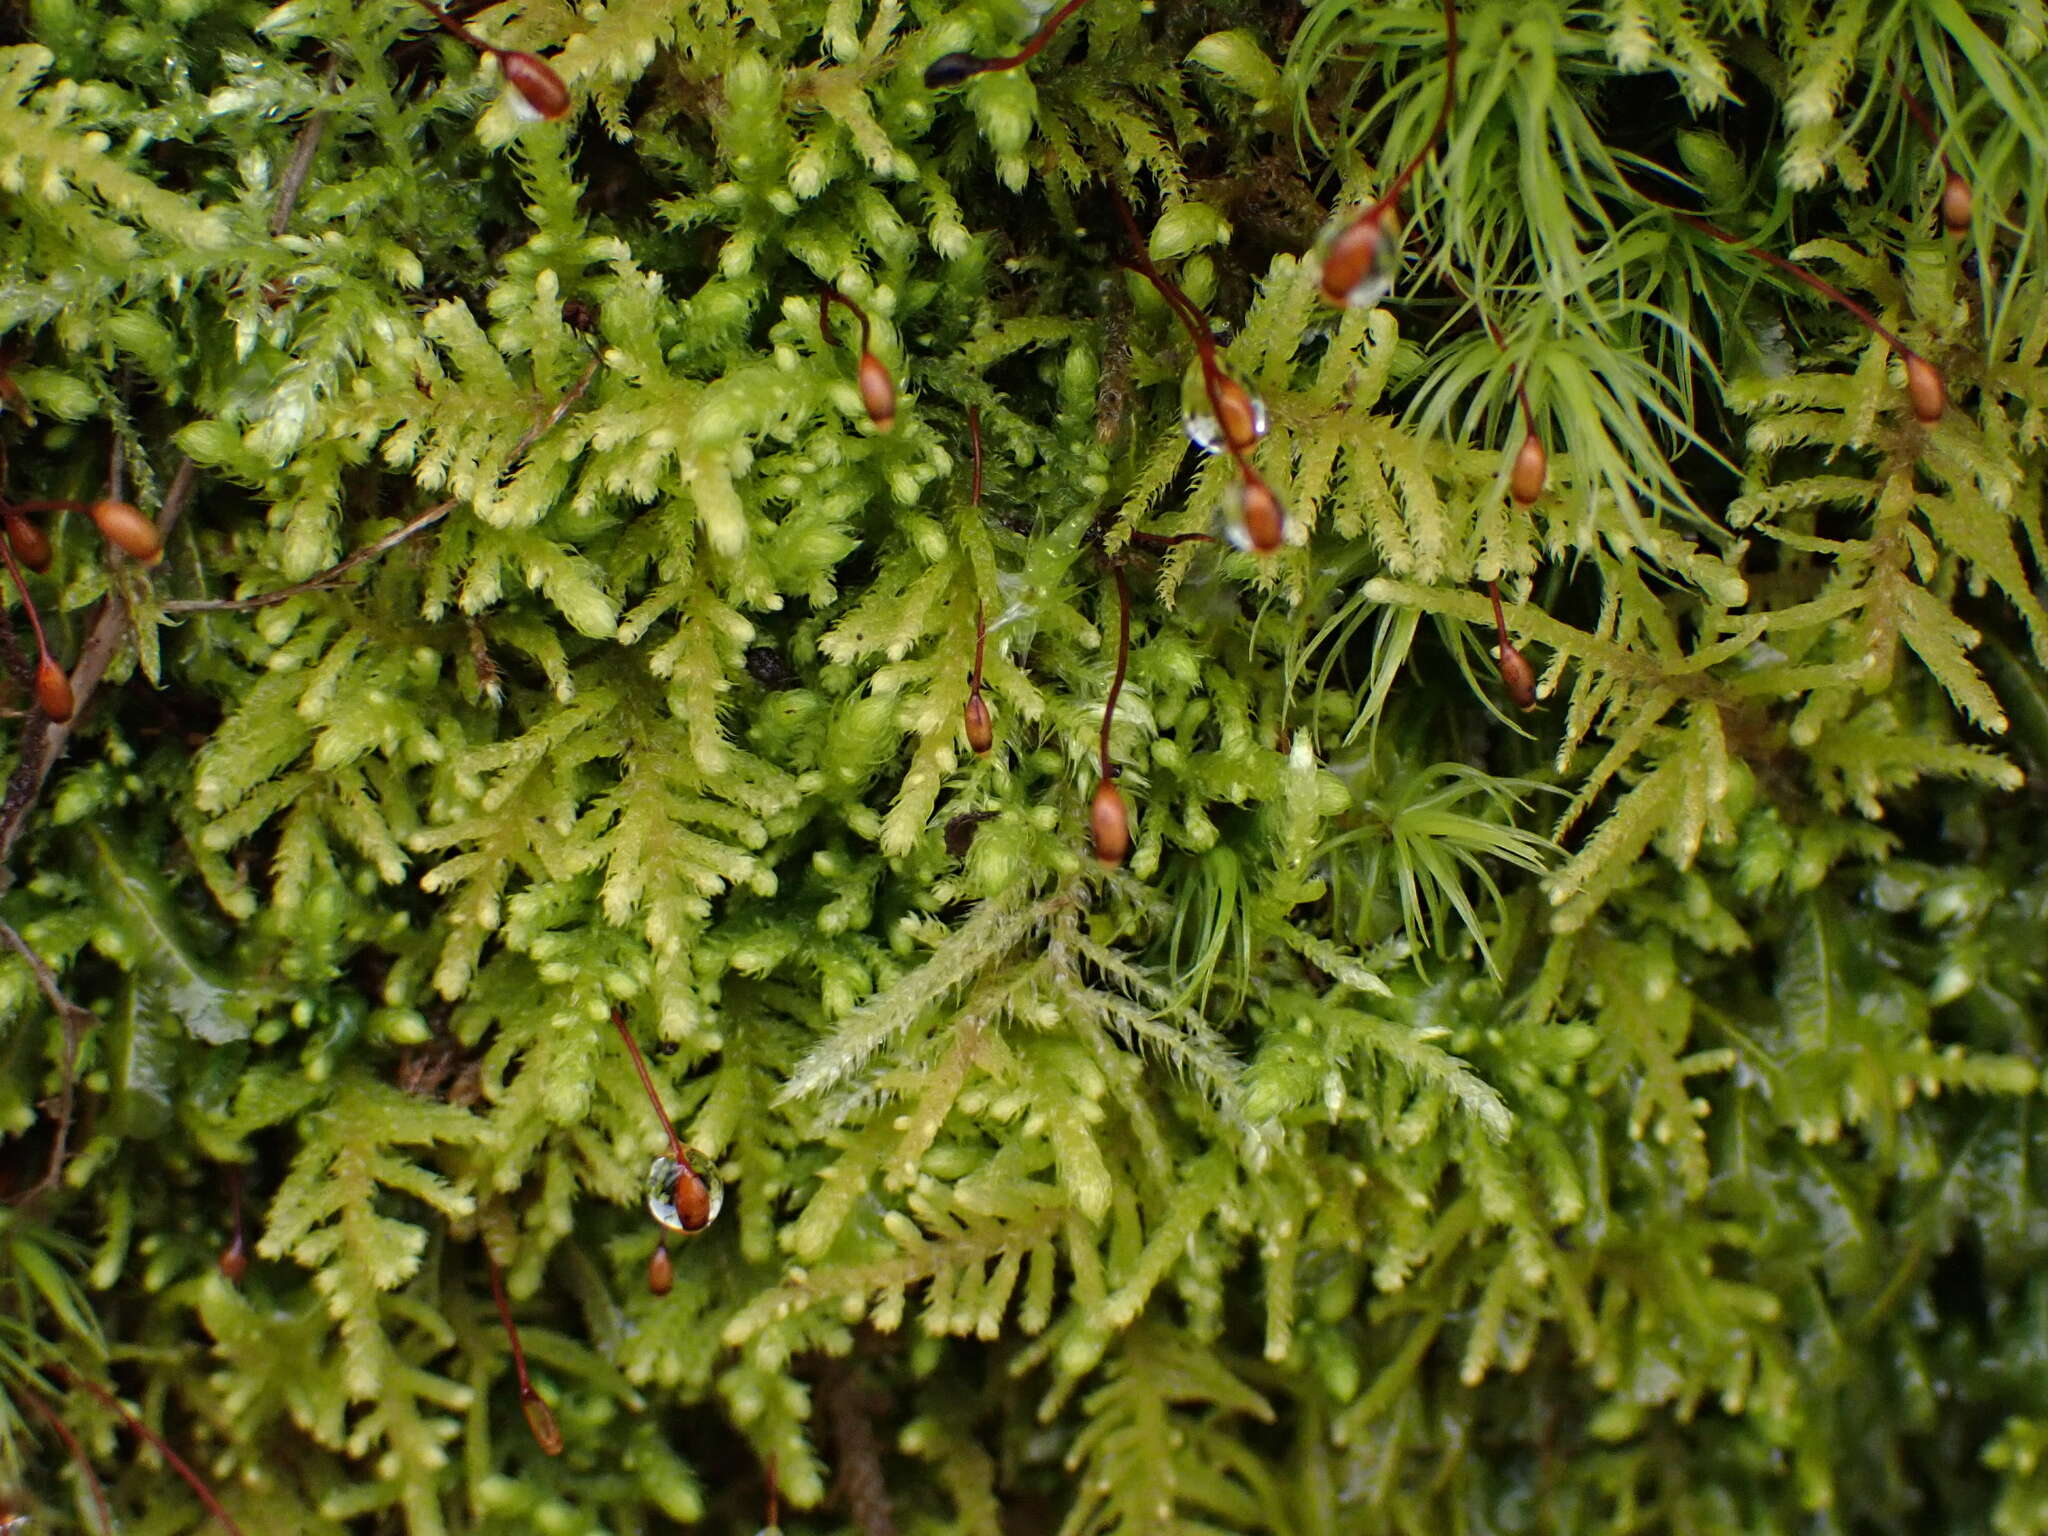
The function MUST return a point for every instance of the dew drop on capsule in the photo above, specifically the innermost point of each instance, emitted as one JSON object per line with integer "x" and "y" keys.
{"x": 684, "y": 1199}
{"x": 1253, "y": 518}
{"x": 1359, "y": 256}
{"x": 1245, "y": 413}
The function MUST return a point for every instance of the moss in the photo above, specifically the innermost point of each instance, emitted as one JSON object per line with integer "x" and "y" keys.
{"x": 1614, "y": 1117}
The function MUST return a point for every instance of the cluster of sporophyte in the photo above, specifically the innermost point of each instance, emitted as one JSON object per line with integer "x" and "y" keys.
{"x": 1100, "y": 908}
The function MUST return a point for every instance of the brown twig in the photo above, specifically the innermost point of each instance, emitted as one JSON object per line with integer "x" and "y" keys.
{"x": 390, "y": 541}
{"x": 325, "y": 578}
{"x": 301, "y": 166}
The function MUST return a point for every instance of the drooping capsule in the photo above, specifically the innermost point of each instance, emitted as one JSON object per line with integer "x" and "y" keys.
{"x": 538, "y": 94}
{"x": 1517, "y": 677}
{"x": 1256, "y": 520}
{"x": 1925, "y": 389}
{"x": 30, "y": 544}
{"x": 122, "y": 525}
{"x": 981, "y": 732}
{"x": 877, "y": 392}
{"x": 1240, "y": 415}
{"x": 1358, "y": 260}
{"x": 1109, "y": 825}
{"x": 540, "y": 1418}
{"x": 661, "y": 1270}
{"x": 1531, "y": 471}
{"x": 684, "y": 1197}
{"x": 53, "y": 691}
{"x": 952, "y": 69}
{"x": 234, "y": 1260}
{"x": 1956, "y": 205}
{"x": 1233, "y": 422}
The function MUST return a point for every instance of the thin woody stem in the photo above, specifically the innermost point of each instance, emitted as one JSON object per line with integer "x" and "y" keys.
{"x": 391, "y": 540}
{"x": 675, "y": 1142}
{"x": 1123, "y": 656}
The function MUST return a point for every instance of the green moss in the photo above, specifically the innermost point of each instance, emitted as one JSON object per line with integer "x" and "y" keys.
{"x": 1620, "y": 1117}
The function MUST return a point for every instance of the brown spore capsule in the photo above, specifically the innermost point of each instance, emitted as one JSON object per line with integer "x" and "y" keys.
{"x": 540, "y": 1418}
{"x": 952, "y": 69}
{"x": 1956, "y": 205}
{"x": 122, "y": 525}
{"x": 234, "y": 1261}
{"x": 538, "y": 92}
{"x": 1351, "y": 256}
{"x": 981, "y": 731}
{"x": 1235, "y": 415}
{"x": 1109, "y": 825}
{"x": 53, "y": 691}
{"x": 1265, "y": 524}
{"x": 1531, "y": 471}
{"x": 661, "y": 1271}
{"x": 1516, "y": 675}
{"x": 1925, "y": 389}
{"x": 30, "y": 544}
{"x": 692, "y": 1199}
{"x": 877, "y": 392}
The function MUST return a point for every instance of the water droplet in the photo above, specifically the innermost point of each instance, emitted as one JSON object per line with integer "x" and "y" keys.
{"x": 1360, "y": 255}
{"x": 1246, "y": 411}
{"x": 684, "y": 1199}
{"x": 1253, "y": 518}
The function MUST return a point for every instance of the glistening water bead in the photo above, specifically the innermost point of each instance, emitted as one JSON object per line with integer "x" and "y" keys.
{"x": 1359, "y": 257}
{"x": 684, "y": 1199}
{"x": 1198, "y": 413}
